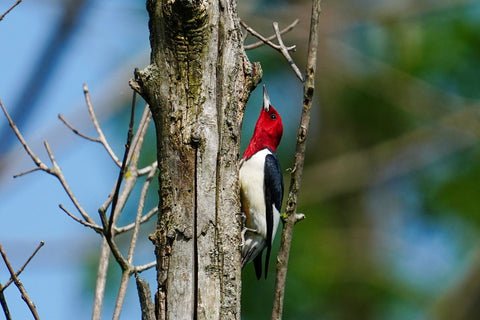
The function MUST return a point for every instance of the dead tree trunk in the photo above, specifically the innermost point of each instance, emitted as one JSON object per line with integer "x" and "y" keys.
{"x": 197, "y": 86}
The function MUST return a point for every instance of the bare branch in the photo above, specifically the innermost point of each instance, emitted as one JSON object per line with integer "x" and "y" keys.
{"x": 35, "y": 159}
{"x": 145, "y": 267}
{"x": 131, "y": 179}
{"x": 19, "y": 271}
{"x": 76, "y": 131}
{"x": 144, "y": 219}
{"x": 132, "y": 159}
{"x": 123, "y": 196}
{"x": 124, "y": 166}
{"x": 96, "y": 124}
{"x": 132, "y": 175}
{"x": 284, "y": 50}
{"x": 26, "y": 172}
{"x": 93, "y": 226}
{"x": 296, "y": 176}
{"x": 3, "y": 303}
{"x": 117, "y": 254}
{"x": 10, "y": 9}
{"x": 262, "y": 38}
{"x": 19, "y": 285}
{"x": 122, "y": 291}
{"x": 141, "y": 204}
{"x": 147, "y": 169}
{"x": 261, "y": 43}
{"x": 103, "y": 263}
{"x": 137, "y": 141}
{"x": 57, "y": 172}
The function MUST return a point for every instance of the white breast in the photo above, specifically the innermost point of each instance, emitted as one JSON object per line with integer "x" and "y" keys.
{"x": 251, "y": 177}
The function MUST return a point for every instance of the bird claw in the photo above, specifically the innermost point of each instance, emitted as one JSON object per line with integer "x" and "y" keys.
{"x": 244, "y": 230}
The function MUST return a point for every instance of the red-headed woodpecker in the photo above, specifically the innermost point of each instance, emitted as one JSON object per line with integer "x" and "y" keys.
{"x": 261, "y": 187}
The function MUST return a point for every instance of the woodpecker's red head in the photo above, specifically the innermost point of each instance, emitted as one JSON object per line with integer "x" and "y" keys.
{"x": 268, "y": 130}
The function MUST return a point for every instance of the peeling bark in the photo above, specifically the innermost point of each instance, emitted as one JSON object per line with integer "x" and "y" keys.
{"x": 197, "y": 86}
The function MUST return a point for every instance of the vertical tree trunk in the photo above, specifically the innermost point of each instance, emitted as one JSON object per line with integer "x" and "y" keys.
{"x": 197, "y": 86}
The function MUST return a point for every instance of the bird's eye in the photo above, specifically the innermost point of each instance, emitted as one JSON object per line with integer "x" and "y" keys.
{"x": 273, "y": 116}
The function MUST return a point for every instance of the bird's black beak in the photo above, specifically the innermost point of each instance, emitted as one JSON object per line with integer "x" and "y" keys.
{"x": 266, "y": 99}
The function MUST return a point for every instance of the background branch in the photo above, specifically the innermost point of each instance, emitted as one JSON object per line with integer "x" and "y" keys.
{"x": 3, "y": 303}
{"x": 10, "y": 9}
{"x": 100, "y": 285}
{"x": 40, "y": 245}
{"x": 296, "y": 174}
{"x": 280, "y": 47}
{"x": 96, "y": 124}
{"x": 124, "y": 166}
{"x": 261, "y": 43}
{"x": 284, "y": 50}
{"x": 19, "y": 285}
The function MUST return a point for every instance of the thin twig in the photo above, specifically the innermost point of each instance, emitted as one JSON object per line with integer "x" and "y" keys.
{"x": 10, "y": 9}
{"x": 93, "y": 226}
{"x": 57, "y": 172}
{"x": 29, "y": 151}
{"x": 19, "y": 285}
{"x": 132, "y": 158}
{"x": 139, "y": 137}
{"x": 261, "y": 43}
{"x": 124, "y": 166}
{"x": 263, "y": 39}
{"x": 132, "y": 176}
{"x": 144, "y": 219}
{"x": 144, "y": 267}
{"x": 147, "y": 169}
{"x": 96, "y": 124}
{"x": 291, "y": 216}
{"x": 26, "y": 172}
{"x": 284, "y": 50}
{"x": 19, "y": 271}
{"x": 65, "y": 122}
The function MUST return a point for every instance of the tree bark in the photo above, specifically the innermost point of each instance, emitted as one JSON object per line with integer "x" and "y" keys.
{"x": 197, "y": 86}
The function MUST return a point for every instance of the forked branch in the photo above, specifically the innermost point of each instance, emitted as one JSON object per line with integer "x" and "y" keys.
{"x": 18, "y": 283}
{"x": 281, "y": 47}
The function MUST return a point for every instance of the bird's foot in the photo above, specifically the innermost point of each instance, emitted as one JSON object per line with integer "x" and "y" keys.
{"x": 244, "y": 230}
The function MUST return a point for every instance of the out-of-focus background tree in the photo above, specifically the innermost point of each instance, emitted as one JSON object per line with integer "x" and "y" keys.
{"x": 391, "y": 186}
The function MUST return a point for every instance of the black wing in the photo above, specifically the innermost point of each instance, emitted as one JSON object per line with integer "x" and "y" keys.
{"x": 273, "y": 189}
